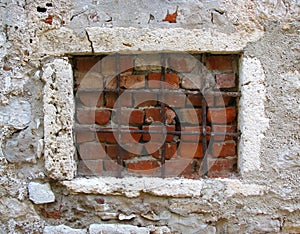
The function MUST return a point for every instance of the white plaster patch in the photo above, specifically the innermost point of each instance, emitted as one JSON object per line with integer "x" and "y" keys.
{"x": 252, "y": 120}
{"x": 238, "y": 187}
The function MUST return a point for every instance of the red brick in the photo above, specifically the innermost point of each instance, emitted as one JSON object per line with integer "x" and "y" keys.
{"x": 190, "y": 171}
{"x": 110, "y": 82}
{"x": 224, "y": 129}
{"x": 222, "y": 167}
{"x": 153, "y": 114}
{"x": 182, "y": 63}
{"x": 129, "y": 116}
{"x": 91, "y": 99}
{"x": 221, "y": 115}
{"x": 194, "y": 138}
{"x": 191, "y": 81}
{"x": 174, "y": 99}
{"x": 224, "y": 149}
{"x": 126, "y": 63}
{"x": 190, "y": 150}
{"x": 156, "y": 137}
{"x": 125, "y": 137}
{"x": 93, "y": 116}
{"x": 154, "y": 80}
{"x": 132, "y": 81}
{"x": 90, "y": 167}
{"x": 221, "y": 63}
{"x": 170, "y": 115}
{"x": 130, "y": 137}
{"x": 171, "y": 81}
{"x": 107, "y": 137}
{"x": 102, "y": 117}
{"x": 210, "y": 101}
{"x": 144, "y": 167}
{"x": 85, "y": 136}
{"x": 91, "y": 151}
{"x": 225, "y": 81}
{"x": 112, "y": 151}
{"x": 177, "y": 167}
{"x": 155, "y": 149}
{"x": 145, "y": 62}
{"x": 171, "y": 149}
{"x": 125, "y": 99}
{"x": 108, "y": 65}
{"x": 111, "y": 166}
{"x": 90, "y": 81}
{"x": 84, "y": 64}
{"x": 194, "y": 100}
{"x": 222, "y": 101}
{"x": 145, "y": 98}
{"x": 190, "y": 115}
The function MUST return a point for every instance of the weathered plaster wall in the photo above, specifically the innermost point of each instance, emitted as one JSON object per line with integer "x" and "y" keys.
{"x": 34, "y": 33}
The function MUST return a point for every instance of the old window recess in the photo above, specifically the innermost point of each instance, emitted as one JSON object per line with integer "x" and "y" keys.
{"x": 157, "y": 114}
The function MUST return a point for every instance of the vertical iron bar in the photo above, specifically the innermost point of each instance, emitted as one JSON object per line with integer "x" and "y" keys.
{"x": 163, "y": 113}
{"x": 119, "y": 150}
{"x": 204, "y": 141}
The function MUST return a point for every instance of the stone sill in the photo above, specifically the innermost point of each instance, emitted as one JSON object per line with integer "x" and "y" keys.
{"x": 169, "y": 187}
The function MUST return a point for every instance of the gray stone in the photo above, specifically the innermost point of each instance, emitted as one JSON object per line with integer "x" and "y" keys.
{"x": 63, "y": 229}
{"x": 117, "y": 229}
{"x": 17, "y": 114}
{"x": 40, "y": 193}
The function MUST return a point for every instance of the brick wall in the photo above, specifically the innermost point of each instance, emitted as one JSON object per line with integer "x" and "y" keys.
{"x": 157, "y": 115}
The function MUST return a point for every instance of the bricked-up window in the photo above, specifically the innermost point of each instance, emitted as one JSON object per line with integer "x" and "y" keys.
{"x": 162, "y": 114}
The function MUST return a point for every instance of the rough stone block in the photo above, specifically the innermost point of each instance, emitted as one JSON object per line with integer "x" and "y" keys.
{"x": 117, "y": 229}
{"x": 63, "y": 229}
{"x": 40, "y": 193}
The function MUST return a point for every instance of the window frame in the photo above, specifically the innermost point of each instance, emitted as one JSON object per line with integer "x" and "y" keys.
{"x": 58, "y": 105}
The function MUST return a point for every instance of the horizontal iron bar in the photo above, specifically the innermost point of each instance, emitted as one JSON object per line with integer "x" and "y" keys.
{"x": 147, "y": 90}
{"x": 159, "y": 132}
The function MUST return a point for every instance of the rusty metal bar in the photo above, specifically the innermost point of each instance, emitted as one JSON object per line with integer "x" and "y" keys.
{"x": 119, "y": 156}
{"x": 105, "y": 130}
{"x": 213, "y": 93}
{"x": 204, "y": 133}
{"x": 163, "y": 114}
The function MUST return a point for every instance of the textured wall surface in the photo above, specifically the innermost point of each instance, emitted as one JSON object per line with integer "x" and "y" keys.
{"x": 36, "y": 37}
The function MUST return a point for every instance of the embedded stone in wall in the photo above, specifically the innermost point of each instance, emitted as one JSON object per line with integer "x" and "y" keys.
{"x": 63, "y": 229}
{"x": 118, "y": 229}
{"x": 16, "y": 114}
{"x": 58, "y": 119}
{"x": 40, "y": 193}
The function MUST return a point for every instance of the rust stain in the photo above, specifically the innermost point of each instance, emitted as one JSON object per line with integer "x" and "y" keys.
{"x": 54, "y": 214}
{"x": 49, "y": 20}
{"x": 171, "y": 18}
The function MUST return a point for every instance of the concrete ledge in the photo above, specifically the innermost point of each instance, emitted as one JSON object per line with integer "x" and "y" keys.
{"x": 172, "y": 39}
{"x": 171, "y": 187}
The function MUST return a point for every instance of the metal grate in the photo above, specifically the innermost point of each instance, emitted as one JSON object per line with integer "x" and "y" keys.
{"x": 162, "y": 91}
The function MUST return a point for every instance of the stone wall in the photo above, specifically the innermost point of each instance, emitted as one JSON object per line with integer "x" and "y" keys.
{"x": 37, "y": 187}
